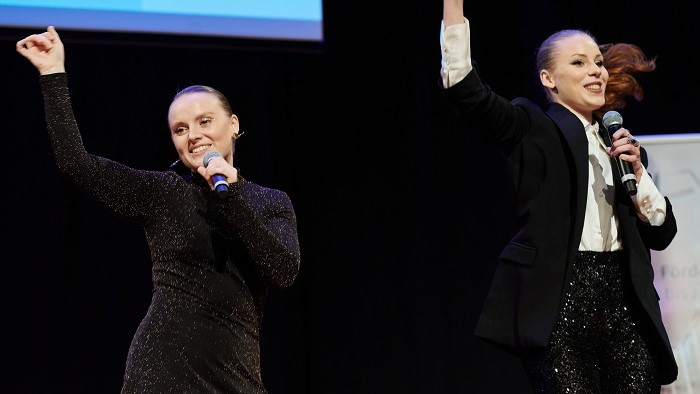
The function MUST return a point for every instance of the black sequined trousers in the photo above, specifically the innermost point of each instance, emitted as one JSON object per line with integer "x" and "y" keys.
{"x": 596, "y": 346}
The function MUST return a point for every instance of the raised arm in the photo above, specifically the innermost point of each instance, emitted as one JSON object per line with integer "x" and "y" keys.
{"x": 453, "y": 12}
{"x": 124, "y": 190}
{"x": 454, "y": 44}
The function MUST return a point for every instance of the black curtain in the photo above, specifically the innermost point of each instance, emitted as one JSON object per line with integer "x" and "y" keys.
{"x": 401, "y": 211}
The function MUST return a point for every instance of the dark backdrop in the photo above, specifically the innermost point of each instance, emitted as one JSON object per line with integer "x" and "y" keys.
{"x": 401, "y": 213}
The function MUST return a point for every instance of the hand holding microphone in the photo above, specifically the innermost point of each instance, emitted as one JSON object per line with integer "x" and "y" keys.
{"x": 218, "y": 179}
{"x": 613, "y": 122}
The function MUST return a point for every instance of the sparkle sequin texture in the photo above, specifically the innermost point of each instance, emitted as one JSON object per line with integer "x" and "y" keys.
{"x": 596, "y": 346}
{"x": 213, "y": 261}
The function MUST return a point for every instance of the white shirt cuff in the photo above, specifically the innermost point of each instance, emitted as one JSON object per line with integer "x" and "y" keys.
{"x": 649, "y": 202}
{"x": 456, "y": 53}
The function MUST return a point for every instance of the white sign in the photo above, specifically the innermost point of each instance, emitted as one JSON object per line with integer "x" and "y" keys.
{"x": 674, "y": 164}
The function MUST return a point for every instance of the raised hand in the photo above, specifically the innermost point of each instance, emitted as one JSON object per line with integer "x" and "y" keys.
{"x": 45, "y": 51}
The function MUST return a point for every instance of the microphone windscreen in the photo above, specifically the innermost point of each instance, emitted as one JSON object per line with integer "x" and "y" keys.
{"x": 612, "y": 118}
{"x": 209, "y": 156}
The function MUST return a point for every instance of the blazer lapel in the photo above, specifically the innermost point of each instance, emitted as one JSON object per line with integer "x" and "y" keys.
{"x": 573, "y": 134}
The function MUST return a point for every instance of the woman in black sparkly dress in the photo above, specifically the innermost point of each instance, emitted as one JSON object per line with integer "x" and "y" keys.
{"x": 214, "y": 256}
{"x": 573, "y": 291}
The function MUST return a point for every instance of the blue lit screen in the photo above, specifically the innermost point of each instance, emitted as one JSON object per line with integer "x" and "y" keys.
{"x": 265, "y": 19}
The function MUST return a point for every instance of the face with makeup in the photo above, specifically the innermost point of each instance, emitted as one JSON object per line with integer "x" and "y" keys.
{"x": 201, "y": 121}
{"x": 572, "y": 72}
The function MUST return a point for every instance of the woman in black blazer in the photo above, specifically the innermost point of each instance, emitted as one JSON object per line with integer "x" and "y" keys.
{"x": 573, "y": 291}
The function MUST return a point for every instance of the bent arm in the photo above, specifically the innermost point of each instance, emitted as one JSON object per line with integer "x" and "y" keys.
{"x": 659, "y": 237}
{"x": 110, "y": 183}
{"x": 264, "y": 220}
{"x": 121, "y": 189}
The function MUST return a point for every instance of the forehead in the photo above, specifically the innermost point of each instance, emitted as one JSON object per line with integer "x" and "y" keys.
{"x": 578, "y": 44}
{"x": 194, "y": 103}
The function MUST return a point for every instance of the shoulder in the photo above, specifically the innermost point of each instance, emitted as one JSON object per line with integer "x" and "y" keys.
{"x": 533, "y": 111}
{"x": 527, "y": 104}
{"x": 254, "y": 191}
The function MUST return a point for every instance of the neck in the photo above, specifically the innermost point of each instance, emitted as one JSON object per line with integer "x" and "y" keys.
{"x": 586, "y": 116}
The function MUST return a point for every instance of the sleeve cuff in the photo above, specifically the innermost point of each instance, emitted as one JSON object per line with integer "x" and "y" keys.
{"x": 456, "y": 52}
{"x": 649, "y": 202}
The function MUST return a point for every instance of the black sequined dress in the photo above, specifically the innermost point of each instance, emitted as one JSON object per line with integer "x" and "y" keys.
{"x": 213, "y": 261}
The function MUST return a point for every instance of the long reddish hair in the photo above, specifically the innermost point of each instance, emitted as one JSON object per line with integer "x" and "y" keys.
{"x": 623, "y": 62}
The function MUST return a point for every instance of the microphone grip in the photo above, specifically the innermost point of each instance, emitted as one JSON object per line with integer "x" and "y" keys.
{"x": 219, "y": 181}
{"x": 629, "y": 181}
{"x": 220, "y": 185}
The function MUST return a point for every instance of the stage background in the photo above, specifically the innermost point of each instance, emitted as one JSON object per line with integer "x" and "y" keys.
{"x": 401, "y": 212}
{"x": 674, "y": 164}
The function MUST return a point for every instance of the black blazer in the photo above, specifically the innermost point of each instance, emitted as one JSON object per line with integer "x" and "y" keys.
{"x": 547, "y": 155}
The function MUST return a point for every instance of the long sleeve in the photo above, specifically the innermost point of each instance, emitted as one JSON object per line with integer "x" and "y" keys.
{"x": 649, "y": 202}
{"x": 265, "y": 221}
{"x": 456, "y": 53}
{"x": 122, "y": 189}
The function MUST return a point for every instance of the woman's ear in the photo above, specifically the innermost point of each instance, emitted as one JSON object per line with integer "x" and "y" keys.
{"x": 234, "y": 126}
{"x": 547, "y": 80}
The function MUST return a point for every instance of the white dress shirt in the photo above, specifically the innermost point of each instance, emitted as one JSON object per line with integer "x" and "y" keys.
{"x": 600, "y": 229}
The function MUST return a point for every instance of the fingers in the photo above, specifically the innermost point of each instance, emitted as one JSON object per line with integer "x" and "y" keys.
{"x": 38, "y": 42}
{"x": 625, "y": 146}
{"x": 52, "y": 35}
{"x": 44, "y": 50}
{"x": 624, "y": 137}
{"x": 218, "y": 166}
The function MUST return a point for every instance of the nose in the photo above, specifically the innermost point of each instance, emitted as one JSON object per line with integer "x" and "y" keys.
{"x": 194, "y": 134}
{"x": 595, "y": 70}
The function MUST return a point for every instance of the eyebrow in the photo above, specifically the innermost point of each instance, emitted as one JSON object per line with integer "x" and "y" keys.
{"x": 576, "y": 55}
{"x": 198, "y": 117}
{"x": 204, "y": 115}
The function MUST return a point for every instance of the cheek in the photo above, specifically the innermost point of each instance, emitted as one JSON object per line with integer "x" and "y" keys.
{"x": 179, "y": 143}
{"x": 571, "y": 83}
{"x": 222, "y": 134}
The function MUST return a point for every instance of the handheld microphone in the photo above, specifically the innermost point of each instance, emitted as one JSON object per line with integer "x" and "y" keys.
{"x": 613, "y": 121}
{"x": 219, "y": 181}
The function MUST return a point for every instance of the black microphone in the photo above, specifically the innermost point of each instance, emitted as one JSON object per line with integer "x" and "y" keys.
{"x": 219, "y": 181}
{"x": 613, "y": 121}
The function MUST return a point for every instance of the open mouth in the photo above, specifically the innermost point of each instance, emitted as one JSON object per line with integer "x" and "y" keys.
{"x": 200, "y": 149}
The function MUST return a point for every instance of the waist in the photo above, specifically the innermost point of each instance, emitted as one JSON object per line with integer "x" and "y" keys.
{"x": 601, "y": 258}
